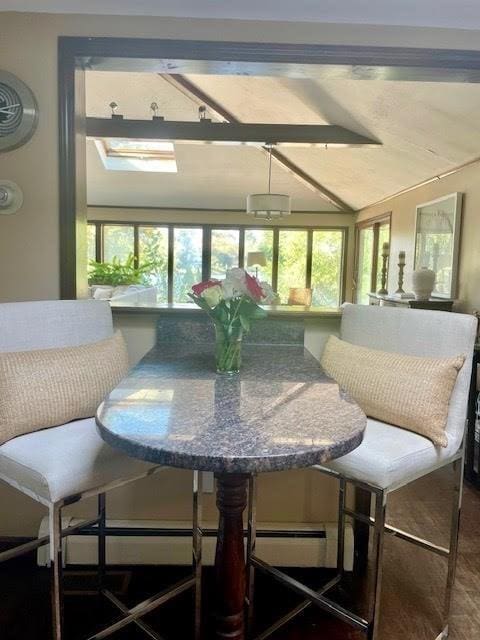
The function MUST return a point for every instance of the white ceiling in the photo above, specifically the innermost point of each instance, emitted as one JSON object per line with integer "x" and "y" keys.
{"x": 426, "y": 129}
{"x": 463, "y": 14}
{"x": 209, "y": 177}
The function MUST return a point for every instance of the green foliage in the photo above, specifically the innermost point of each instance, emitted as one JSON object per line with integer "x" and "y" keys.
{"x": 232, "y": 314}
{"x": 153, "y": 249}
{"x": 118, "y": 273}
{"x": 187, "y": 261}
{"x": 153, "y": 254}
{"x": 292, "y": 261}
{"x": 224, "y": 251}
{"x": 326, "y": 268}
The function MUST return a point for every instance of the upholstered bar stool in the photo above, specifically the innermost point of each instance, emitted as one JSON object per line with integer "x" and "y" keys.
{"x": 391, "y": 457}
{"x": 61, "y": 465}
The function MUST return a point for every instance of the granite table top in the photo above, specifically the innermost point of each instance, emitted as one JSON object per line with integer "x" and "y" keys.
{"x": 281, "y": 412}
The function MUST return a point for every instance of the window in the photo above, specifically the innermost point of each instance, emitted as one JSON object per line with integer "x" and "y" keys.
{"x": 383, "y": 236}
{"x": 118, "y": 242}
{"x": 187, "y": 261}
{"x": 370, "y": 237}
{"x": 153, "y": 250}
{"x": 327, "y": 268}
{"x": 261, "y": 240}
{"x": 225, "y": 246}
{"x": 179, "y": 255}
{"x": 119, "y": 154}
{"x": 91, "y": 242}
{"x": 292, "y": 261}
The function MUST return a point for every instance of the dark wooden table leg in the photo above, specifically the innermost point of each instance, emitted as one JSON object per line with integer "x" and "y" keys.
{"x": 230, "y": 557}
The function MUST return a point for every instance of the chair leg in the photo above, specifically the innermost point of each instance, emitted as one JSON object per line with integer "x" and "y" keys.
{"x": 341, "y": 525}
{"x": 251, "y": 542}
{"x": 197, "y": 551}
{"x": 378, "y": 540}
{"x": 453, "y": 546}
{"x": 102, "y": 549}
{"x": 56, "y": 568}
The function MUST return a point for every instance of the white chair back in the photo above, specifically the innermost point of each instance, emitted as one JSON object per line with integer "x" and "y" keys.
{"x": 25, "y": 326}
{"x": 435, "y": 334}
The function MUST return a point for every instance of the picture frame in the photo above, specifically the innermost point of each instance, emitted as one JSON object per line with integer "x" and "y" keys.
{"x": 437, "y": 241}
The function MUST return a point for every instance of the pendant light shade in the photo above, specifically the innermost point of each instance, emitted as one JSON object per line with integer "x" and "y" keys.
{"x": 268, "y": 205}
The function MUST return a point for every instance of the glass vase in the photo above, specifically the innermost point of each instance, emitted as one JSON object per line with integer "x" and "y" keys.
{"x": 228, "y": 349}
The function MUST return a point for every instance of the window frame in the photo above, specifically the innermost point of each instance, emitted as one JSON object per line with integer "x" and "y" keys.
{"x": 374, "y": 224}
{"x": 207, "y": 245}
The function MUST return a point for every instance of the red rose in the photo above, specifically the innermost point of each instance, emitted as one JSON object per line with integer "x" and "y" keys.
{"x": 201, "y": 286}
{"x": 254, "y": 289}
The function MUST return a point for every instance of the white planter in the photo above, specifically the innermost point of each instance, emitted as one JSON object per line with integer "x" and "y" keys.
{"x": 423, "y": 282}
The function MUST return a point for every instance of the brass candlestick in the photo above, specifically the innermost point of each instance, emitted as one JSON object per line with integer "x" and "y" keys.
{"x": 385, "y": 254}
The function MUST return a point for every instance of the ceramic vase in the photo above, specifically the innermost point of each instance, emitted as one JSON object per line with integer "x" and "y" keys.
{"x": 423, "y": 282}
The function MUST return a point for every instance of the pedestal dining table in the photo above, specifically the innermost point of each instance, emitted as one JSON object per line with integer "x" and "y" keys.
{"x": 279, "y": 413}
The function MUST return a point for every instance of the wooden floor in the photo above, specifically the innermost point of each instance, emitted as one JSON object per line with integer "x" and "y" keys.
{"x": 412, "y": 596}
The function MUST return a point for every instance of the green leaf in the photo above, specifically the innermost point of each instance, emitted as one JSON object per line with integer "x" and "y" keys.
{"x": 244, "y": 321}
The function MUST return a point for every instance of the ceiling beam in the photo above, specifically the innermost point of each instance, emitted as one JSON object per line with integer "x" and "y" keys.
{"x": 196, "y": 94}
{"x": 207, "y": 132}
{"x": 311, "y": 61}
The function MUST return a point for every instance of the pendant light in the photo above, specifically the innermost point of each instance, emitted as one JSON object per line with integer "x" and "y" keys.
{"x": 268, "y": 205}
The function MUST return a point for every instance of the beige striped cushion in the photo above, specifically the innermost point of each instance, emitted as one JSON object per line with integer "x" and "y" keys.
{"x": 49, "y": 387}
{"x": 406, "y": 391}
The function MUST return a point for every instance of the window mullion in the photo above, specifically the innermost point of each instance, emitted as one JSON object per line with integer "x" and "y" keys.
{"x": 170, "y": 264}
{"x": 241, "y": 247}
{"x": 136, "y": 251}
{"x": 276, "y": 241}
{"x": 98, "y": 242}
{"x": 206, "y": 252}
{"x": 308, "y": 272}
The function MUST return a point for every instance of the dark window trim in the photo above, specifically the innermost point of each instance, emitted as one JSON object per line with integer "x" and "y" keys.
{"x": 374, "y": 223}
{"x": 207, "y": 245}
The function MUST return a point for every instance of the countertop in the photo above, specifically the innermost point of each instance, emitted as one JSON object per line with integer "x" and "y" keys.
{"x": 280, "y": 412}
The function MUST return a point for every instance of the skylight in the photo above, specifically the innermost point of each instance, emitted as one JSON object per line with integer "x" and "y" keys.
{"x": 118, "y": 154}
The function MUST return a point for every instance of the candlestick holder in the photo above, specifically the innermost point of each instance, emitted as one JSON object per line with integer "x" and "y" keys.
{"x": 383, "y": 282}
{"x": 401, "y": 267}
{"x": 400, "y": 293}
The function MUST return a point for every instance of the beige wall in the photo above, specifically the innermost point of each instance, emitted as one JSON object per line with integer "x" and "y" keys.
{"x": 402, "y": 208}
{"x": 28, "y": 48}
{"x": 29, "y": 255}
{"x": 29, "y": 241}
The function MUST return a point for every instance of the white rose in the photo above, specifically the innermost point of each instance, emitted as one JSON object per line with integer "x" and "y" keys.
{"x": 234, "y": 283}
{"x": 270, "y": 297}
{"x": 212, "y": 295}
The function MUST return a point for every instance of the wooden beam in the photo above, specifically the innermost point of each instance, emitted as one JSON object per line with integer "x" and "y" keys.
{"x": 312, "y": 61}
{"x": 196, "y": 94}
{"x": 208, "y": 132}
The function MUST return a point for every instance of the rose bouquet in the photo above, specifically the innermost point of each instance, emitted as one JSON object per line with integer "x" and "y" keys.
{"x": 232, "y": 303}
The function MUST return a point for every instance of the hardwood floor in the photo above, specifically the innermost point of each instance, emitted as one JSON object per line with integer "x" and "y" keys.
{"x": 412, "y": 595}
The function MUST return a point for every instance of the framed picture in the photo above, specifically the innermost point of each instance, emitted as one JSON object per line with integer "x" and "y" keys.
{"x": 437, "y": 241}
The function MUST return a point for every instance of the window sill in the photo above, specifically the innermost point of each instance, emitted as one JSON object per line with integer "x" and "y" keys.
{"x": 273, "y": 311}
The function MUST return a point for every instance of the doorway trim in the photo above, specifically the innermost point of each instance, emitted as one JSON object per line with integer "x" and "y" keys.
{"x": 77, "y": 54}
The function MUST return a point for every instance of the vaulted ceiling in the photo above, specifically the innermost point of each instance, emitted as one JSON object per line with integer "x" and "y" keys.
{"x": 425, "y": 129}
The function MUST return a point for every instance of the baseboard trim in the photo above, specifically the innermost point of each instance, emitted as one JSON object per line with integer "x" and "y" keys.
{"x": 281, "y": 544}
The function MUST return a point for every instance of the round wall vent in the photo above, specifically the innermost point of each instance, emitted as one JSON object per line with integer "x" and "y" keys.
{"x": 11, "y": 197}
